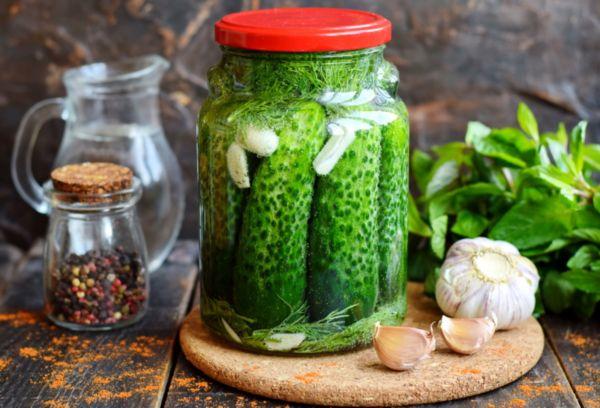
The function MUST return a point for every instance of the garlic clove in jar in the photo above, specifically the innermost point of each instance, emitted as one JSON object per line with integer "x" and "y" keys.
{"x": 467, "y": 335}
{"x": 481, "y": 276}
{"x": 401, "y": 348}
{"x": 237, "y": 165}
{"x": 284, "y": 341}
{"x": 262, "y": 142}
{"x": 232, "y": 334}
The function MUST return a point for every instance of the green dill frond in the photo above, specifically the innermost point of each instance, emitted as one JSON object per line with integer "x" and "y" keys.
{"x": 298, "y": 75}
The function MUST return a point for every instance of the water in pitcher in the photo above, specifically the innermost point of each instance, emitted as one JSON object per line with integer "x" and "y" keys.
{"x": 145, "y": 151}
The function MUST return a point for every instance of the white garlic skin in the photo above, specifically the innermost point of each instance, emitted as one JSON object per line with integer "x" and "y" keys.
{"x": 467, "y": 335}
{"x": 401, "y": 348}
{"x": 480, "y": 277}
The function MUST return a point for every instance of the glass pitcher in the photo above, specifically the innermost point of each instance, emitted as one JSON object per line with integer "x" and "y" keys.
{"x": 112, "y": 114}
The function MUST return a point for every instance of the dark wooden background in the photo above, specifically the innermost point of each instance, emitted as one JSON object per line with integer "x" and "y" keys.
{"x": 458, "y": 60}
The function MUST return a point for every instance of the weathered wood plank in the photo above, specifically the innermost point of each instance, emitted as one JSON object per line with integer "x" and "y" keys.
{"x": 544, "y": 386}
{"x": 578, "y": 347}
{"x": 43, "y": 365}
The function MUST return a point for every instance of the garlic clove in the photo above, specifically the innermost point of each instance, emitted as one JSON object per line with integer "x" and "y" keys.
{"x": 284, "y": 341}
{"x": 262, "y": 142}
{"x": 364, "y": 96}
{"x": 237, "y": 165}
{"x": 234, "y": 336}
{"x": 467, "y": 336}
{"x": 401, "y": 348}
{"x": 379, "y": 117}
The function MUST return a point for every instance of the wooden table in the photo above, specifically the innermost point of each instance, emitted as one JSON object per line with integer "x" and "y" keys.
{"x": 142, "y": 366}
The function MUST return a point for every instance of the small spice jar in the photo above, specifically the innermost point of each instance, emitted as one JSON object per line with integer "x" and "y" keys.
{"x": 95, "y": 275}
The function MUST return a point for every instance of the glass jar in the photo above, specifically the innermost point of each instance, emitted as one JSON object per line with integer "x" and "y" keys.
{"x": 303, "y": 173}
{"x": 95, "y": 270}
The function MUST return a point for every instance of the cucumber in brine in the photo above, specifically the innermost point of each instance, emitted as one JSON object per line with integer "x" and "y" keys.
{"x": 270, "y": 275}
{"x": 344, "y": 262}
{"x": 220, "y": 199}
{"x": 393, "y": 199}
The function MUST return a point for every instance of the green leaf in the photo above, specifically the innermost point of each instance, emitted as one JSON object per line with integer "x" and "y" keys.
{"x": 586, "y": 217}
{"x": 594, "y": 266}
{"x": 489, "y": 172}
{"x": 527, "y": 121}
{"x": 509, "y": 146}
{"x": 591, "y": 156}
{"x": 561, "y": 134}
{"x": 452, "y": 150}
{"x": 420, "y": 165}
{"x": 584, "y": 256}
{"x": 420, "y": 261}
{"x": 560, "y": 156}
{"x": 585, "y": 281}
{"x": 529, "y": 224}
{"x": 438, "y": 238}
{"x": 556, "y": 245}
{"x": 597, "y": 202}
{"x": 539, "y": 310}
{"x": 416, "y": 225}
{"x": 475, "y": 132}
{"x": 443, "y": 175}
{"x": 549, "y": 176}
{"x": 587, "y": 234}
{"x": 584, "y": 304}
{"x": 557, "y": 292}
{"x": 469, "y": 224}
{"x": 453, "y": 201}
{"x": 576, "y": 144}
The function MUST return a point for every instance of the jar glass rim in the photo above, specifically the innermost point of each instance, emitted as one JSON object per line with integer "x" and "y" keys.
{"x": 78, "y": 202}
{"x": 242, "y": 52}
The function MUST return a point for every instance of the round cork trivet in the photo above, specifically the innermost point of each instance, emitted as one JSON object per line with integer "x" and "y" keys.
{"x": 357, "y": 378}
{"x": 91, "y": 178}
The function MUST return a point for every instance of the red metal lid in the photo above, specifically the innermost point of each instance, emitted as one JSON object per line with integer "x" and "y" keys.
{"x": 303, "y": 30}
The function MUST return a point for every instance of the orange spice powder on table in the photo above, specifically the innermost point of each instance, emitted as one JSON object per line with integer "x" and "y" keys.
{"x": 69, "y": 356}
{"x": 191, "y": 384}
{"x": 537, "y": 390}
{"x": 28, "y": 352}
{"x": 20, "y": 318}
{"x": 307, "y": 378}
{"x": 4, "y": 362}
{"x": 576, "y": 339}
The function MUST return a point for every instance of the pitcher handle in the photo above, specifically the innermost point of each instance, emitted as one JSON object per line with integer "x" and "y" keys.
{"x": 27, "y": 135}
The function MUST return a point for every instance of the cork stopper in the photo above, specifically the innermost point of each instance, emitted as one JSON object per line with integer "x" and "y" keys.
{"x": 85, "y": 180}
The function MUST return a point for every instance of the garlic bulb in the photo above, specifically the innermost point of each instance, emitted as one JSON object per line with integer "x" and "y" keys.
{"x": 401, "y": 348}
{"x": 481, "y": 276}
{"x": 467, "y": 336}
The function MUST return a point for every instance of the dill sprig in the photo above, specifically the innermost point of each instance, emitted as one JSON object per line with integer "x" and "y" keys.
{"x": 303, "y": 75}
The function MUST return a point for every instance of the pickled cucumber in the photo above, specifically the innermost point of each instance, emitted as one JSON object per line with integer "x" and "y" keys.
{"x": 270, "y": 275}
{"x": 344, "y": 261}
{"x": 392, "y": 217}
{"x": 220, "y": 199}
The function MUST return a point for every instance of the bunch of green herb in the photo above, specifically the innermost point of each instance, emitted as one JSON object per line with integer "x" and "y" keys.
{"x": 535, "y": 190}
